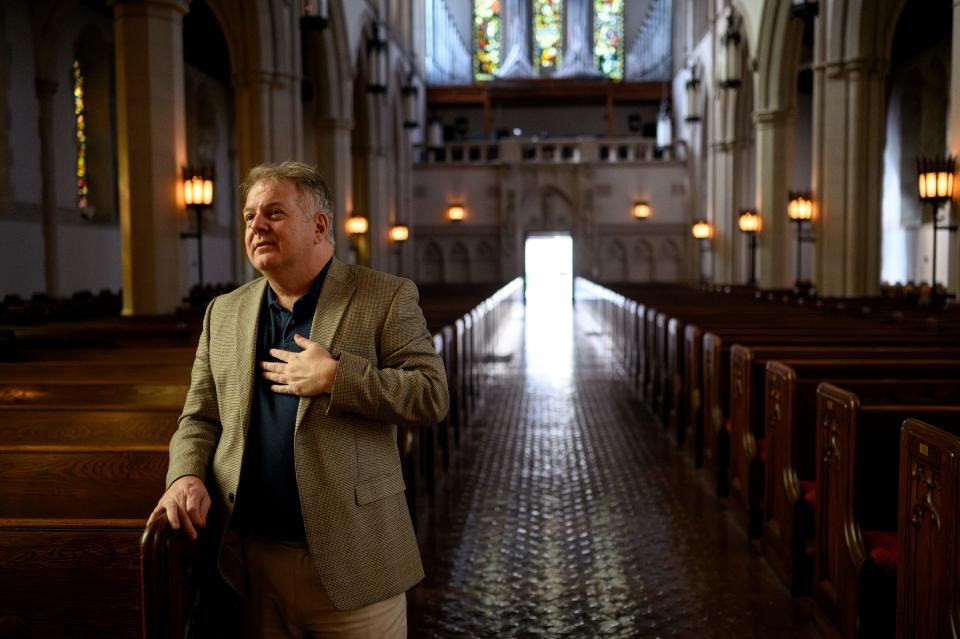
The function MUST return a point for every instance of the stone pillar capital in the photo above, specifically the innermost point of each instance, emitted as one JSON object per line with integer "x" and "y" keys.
{"x": 771, "y": 118}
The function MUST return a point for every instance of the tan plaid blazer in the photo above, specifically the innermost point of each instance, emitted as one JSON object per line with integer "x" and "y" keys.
{"x": 348, "y": 469}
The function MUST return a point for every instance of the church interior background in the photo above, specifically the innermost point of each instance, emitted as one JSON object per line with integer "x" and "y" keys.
{"x": 453, "y": 130}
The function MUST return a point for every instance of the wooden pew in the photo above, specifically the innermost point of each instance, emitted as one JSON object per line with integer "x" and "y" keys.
{"x": 790, "y": 416}
{"x": 927, "y": 526}
{"x": 854, "y": 591}
{"x": 746, "y": 397}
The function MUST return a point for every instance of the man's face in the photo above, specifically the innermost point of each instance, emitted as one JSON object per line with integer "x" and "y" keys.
{"x": 280, "y": 233}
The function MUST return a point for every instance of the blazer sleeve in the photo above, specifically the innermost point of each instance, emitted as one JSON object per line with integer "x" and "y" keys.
{"x": 198, "y": 432}
{"x": 408, "y": 385}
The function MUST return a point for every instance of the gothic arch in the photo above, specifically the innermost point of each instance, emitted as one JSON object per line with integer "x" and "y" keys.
{"x": 670, "y": 262}
{"x": 614, "y": 265}
{"x": 459, "y": 271}
{"x": 431, "y": 265}
{"x": 642, "y": 262}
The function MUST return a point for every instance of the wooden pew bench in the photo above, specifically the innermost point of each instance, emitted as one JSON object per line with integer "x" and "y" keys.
{"x": 790, "y": 464}
{"x": 854, "y": 575}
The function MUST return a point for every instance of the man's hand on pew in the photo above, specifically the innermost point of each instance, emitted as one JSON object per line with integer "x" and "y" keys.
{"x": 186, "y": 500}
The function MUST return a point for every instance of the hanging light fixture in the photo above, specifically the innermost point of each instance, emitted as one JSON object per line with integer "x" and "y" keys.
{"x": 664, "y": 126}
{"x": 641, "y": 210}
{"x": 694, "y": 96}
{"x": 197, "y": 186}
{"x": 411, "y": 104}
{"x": 702, "y": 230}
{"x": 800, "y": 207}
{"x": 804, "y": 8}
{"x": 315, "y": 16}
{"x": 730, "y": 69}
{"x": 456, "y": 212}
{"x": 377, "y": 60}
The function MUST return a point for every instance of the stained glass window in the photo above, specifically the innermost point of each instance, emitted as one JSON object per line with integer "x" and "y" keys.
{"x": 79, "y": 111}
{"x": 608, "y": 37}
{"x": 487, "y": 38}
{"x": 547, "y": 33}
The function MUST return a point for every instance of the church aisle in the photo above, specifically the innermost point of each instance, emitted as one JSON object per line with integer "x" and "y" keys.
{"x": 579, "y": 519}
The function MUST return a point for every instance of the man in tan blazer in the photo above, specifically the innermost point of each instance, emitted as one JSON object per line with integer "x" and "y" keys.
{"x": 286, "y": 448}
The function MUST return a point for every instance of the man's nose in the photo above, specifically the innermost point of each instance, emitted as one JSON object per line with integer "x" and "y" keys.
{"x": 259, "y": 223}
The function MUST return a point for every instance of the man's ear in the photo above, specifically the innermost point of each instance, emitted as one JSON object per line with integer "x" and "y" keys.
{"x": 323, "y": 225}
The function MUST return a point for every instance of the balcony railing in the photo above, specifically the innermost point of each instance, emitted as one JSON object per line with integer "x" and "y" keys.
{"x": 544, "y": 151}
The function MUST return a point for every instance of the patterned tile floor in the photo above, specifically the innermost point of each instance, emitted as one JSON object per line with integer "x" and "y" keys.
{"x": 577, "y": 517}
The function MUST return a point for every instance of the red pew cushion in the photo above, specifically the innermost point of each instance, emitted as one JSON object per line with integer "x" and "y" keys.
{"x": 883, "y": 548}
{"x": 808, "y": 491}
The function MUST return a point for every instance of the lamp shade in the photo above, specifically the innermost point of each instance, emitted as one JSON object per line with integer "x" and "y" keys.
{"x": 702, "y": 230}
{"x": 935, "y": 179}
{"x": 411, "y": 105}
{"x": 800, "y": 207}
{"x": 641, "y": 210}
{"x": 197, "y": 186}
{"x": 357, "y": 225}
{"x": 749, "y": 221}
{"x": 456, "y": 212}
{"x": 693, "y": 98}
{"x": 730, "y": 68}
{"x": 399, "y": 233}
{"x": 377, "y": 60}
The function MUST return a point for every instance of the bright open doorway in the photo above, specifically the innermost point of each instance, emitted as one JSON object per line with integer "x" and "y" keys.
{"x": 548, "y": 262}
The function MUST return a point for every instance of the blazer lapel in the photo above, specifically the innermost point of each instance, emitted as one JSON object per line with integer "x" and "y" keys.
{"x": 334, "y": 296}
{"x": 248, "y": 316}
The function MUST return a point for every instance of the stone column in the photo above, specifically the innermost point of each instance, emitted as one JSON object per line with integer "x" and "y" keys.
{"x": 46, "y": 91}
{"x": 773, "y": 171}
{"x": 953, "y": 144}
{"x": 848, "y": 219}
{"x": 333, "y": 153}
{"x": 578, "y": 52}
{"x": 516, "y": 40}
{"x": 725, "y": 233}
{"x": 269, "y": 117}
{"x": 151, "y": 149}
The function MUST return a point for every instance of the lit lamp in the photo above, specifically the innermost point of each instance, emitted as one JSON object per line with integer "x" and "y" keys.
{"x": 800, "y": 210}
{"x": 702, "y": 230}
{"x": 641, "y": 210}
{"x": 315, "y": 16}
{"x": 935, "y": 185}
{"x": 693, "y": 93}
{"x": 197, "y": 186}
{"x": 357, "y": 225}
{"x": 377, "y": 60}
{"x": 456, "y": 212}
{"x": 730, "y": 68}
{"x": 399, "y": 233}
{"x": 749, "y": 223}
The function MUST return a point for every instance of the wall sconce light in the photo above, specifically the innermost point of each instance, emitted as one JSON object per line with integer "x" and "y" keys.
{"x": 315, "y": 16}
{"x": 357, "y": 225}
{"x": 377, "y": 60}
{"x": 804, "y": 8}
{"x": 800, "y": 210}
{"x": 702, "y": 230}
{"x": 935, "y": 187}
{"x": 197, "y": 185}
{"x": 399, "y": 233}
{"x": 749, "y": 223}
{"x": 456, "y": 212}
{"x": 730, "y": 67}
{"x": 411, "y": 104}
{"x": 694, "y": 96}
{"x": 641, "y": 210}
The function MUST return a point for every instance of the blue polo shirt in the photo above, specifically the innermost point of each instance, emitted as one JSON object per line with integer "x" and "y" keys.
{"x": 268, "y": 501}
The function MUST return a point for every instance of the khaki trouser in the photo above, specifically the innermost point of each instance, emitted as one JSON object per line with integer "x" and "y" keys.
{"x": 286, "y": 599}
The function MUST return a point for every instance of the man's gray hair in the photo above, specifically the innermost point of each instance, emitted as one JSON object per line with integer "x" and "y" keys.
{"x": 316, "y": 193}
